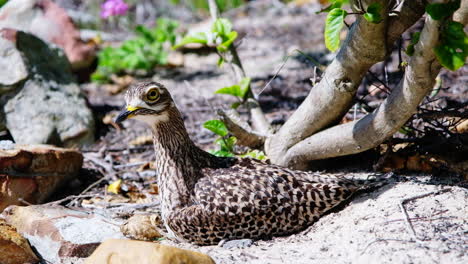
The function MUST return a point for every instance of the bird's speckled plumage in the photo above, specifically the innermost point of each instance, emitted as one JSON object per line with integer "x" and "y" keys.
{"x": 206, "y": 199}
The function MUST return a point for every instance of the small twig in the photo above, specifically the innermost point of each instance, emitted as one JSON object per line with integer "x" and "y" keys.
{"x": 214, "y": 12}
{"x": 130, "y": 165}
{"x": 380, "y": 81}
{"x": 143, "y": 147}
{"x": 384, "y": 240}
{"x": 407, "y": 218}
{"x": 24, "y": 201}
{"x": 276, "y": 74}
{"x": 121, "y": 206}
{"x": 85, "y": 190}
{"x": 57, "y": 202}
{"x": 106, "y": 166}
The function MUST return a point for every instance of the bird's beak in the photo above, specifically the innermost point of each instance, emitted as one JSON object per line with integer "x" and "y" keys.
{"x": 126, "y": 114}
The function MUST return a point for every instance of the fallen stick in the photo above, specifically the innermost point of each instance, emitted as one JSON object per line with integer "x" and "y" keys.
{"x": 85, "y": 190}
{"x": 407, "y": 218}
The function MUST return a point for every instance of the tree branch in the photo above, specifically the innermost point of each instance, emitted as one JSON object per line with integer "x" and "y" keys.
{"x": 461, "y": 15}
{"x": 241, "y": 130}
{"x": 366, "y": 133}
{"x": 331, "y": 98}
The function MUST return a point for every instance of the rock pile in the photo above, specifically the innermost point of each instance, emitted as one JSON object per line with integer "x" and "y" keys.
{"x": 40, "y": 102}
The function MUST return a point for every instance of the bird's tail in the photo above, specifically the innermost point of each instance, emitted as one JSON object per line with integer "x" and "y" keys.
{"x": 372, "y": 182}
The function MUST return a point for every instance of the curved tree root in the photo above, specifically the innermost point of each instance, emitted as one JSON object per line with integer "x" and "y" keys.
{"x": 371, "y": 130}
{"x": 329, "y": 100}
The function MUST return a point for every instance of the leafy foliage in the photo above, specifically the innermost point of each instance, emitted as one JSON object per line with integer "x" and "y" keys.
{"x": 227, "y": 143}
{"x": 226, "y": 147}
{"x": 221, "y": 36}
{"x": 452, "y": 49}
{"x": 333, "y": 25}
{"x": 373, "y": 13}
{"x": 2, "y": 2}
{"x": 438, "y": 11}
{"x": 141, "y": 53}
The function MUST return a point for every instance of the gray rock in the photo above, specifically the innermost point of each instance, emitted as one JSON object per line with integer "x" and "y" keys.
{"x": 12, "y": 63}
{"x": 47, "y": 107}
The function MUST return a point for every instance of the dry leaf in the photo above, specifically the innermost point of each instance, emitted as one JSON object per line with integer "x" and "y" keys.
{"x": 144, "y": 167}
{"x": 115, "y": 186}
{"x": 154, "y": 189}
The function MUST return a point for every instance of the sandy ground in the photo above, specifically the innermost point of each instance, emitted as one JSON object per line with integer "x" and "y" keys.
{"x": 372, "y": 229}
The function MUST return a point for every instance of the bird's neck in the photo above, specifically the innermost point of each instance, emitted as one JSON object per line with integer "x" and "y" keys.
{"x": 179, "y": 162}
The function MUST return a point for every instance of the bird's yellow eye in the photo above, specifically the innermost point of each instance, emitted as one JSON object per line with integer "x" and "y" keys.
{"x": 152, "y": 95}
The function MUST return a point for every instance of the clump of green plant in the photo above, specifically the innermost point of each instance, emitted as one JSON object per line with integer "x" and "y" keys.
{"x": 221, "y": 36}
{"x": 2, "y": 2}
{"x": 451, "y": 52}
{"x": 226, "y": 143}
{"x": 144, "y": 52}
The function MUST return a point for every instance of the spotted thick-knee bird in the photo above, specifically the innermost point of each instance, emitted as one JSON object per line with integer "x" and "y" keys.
{"x": 206, "y": 199}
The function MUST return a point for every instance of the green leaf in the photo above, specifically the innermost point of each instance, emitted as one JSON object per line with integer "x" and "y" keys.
{"x": 405, "y": 130}
{"x": 216, "y": 127}
{"x": 333, "y": 5}
{"x": 449, "y": 58}
{"x": 144, "y": 32}
{"x": 222, "y": 26}
{"x": 333, "y": 25}
{"x": 373, "y": 13}
{"x": 231, "y": 90}
{"x": 222, "y": 153}
{"x": 255, "y": 154}
{"x": 223, "y": 47}
{"x": 437, "y": 87}
{"x": 438, "y": 11}
{"x": 226, "y": 144}
{"x": 199, "y": 37}
{"x": 240, "y": 90}
{"x": 452, "y": 49}
{"x": 244, "y": 86}
{"x": 414, "y": 39}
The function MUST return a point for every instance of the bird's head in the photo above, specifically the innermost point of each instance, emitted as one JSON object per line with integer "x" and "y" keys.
{"x": 149, "y": 102}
